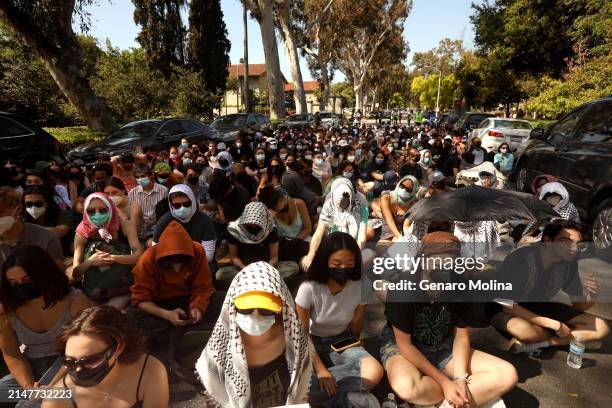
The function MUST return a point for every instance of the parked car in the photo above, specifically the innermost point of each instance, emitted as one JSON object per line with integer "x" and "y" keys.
{"x": 23, "y": 140}
{"x": 373, "y": 115}
{"x": 298, "y": 121}
{"x": 577, "y": 150}
{"x": 469, "y": 121}
{"x": 329, "y": 119}
{"x": 450, "y": 121}
{"x": 150, "y": 134}
{"x": 495, "y": 131}
{"x": 229, "y": 126}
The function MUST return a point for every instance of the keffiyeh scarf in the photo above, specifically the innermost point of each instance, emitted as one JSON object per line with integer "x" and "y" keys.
{"x": 254, "y": 213}
{"x": 222, "y": 366}
{"x": 88, "y": 229}
{"x": 345, "y": 220}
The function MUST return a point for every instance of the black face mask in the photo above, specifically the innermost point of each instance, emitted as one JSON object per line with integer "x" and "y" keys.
{"x": 75, "y": 176}
{"x": 90, "y": 377}
{"x": 340, "y": 275}
{"x": 192, "y": 180}
{"x": 253, "y": 229}
{"x": 26, "y": 291}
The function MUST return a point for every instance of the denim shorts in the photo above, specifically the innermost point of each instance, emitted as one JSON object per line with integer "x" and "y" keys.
{"x": 438, "y": 356}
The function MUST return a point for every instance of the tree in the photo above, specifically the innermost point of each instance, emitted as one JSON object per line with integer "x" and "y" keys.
{"x": 445, "y": 56}
{"x": 263, "y": 12}
{"x": 365, "y": 26}
{"x": 427, "y": 90}
{"x": 344, "y": 90}
{"x": 396, "y": 100}
{"x": 208, "y": 45}
{"x": 45, "y": 27}
{"x": 285, "y": 21}
{"x": 162, "y": 34}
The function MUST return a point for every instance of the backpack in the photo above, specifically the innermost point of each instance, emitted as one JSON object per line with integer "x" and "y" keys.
{"x": 104, "y": 282}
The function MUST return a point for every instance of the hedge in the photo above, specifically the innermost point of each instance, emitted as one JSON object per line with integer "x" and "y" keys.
{"x": 72, "y": 136}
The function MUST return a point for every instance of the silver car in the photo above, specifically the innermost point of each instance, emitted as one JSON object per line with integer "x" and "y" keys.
{"x": 495, "y": 131}
{"x": 329, "y": 119}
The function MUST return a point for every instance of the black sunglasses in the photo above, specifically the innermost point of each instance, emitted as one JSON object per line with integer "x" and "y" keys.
{"x": 186, "y": 204}
{"x": 38, "y": 204}
{"x": 89, "y": 361}
{"x": 92, "y": 211}
{"x": 263, "y": 312}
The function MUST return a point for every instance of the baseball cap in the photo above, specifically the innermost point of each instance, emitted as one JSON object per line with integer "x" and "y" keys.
{"x": 258, "y": 300}
{"x": 343, "y": 143}
{"x": 448, "y": 137}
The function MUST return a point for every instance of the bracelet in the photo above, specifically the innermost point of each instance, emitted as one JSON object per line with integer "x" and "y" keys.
{"x": 464, "y": 377}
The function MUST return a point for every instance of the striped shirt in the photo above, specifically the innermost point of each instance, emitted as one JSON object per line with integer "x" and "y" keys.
{"x": 148, "y": 200}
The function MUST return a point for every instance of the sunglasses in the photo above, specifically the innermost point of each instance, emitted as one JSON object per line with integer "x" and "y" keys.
{"x": 92, "y": 211}
{"x": 263, "y": 312}
{"x": 186, "y": 204}
{"x": 30, "y": 204}
{"x": 89, "y": 361}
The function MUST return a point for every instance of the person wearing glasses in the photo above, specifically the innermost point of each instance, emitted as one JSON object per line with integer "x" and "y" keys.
{"x": 258, "y": 354}
{"x": 39, "y": 207}
{"x": 101, "y": 222}
{"x": 37, "y": 301}
{"x": 184, "y": 210}
{"x": 538, "y": 273}
{"x": 106, "y": 365}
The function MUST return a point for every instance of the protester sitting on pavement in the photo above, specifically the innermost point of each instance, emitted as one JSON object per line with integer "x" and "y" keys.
{"x": 453, "y": 164}
{"x": 392, "y": 206}
{"x": 293, "y": 183}
{"x": 376, "y": 171}
{"x": 183, "y": 209}
{"x": 539, "y": 181}
{"x": 273, "y": 174}
{"x": 304, "y": 168}
{"x": 15, "y": 233}
{"x": 425, "y": 345}
{"x": 426, "y": 163}
{"x": 37, "y": 301}
{"x": 290, "y": 214}
{"x": 162, "y": 173}
{"x": 504, "y": 159}
{"x": 538, "y": 273}
{"x": 437, "y": 183}
{"x": 102, "y": 240}
{"x": 342, "y": 211}
{"x": 123, "y": 168}
{"x": 41, "y": 209}
{"x": 230, "y": 199}
{"x": 258, "y": 354}
{"x": 480, "y": 153}
{"x": 330, "y": 307}
{"x": 556, "y": 195}
{"x": 412, "y": 166}
{"x": 252, "y": 238}
{"x": 106, "y": 364}
{"x": 101, "y": 173}
{"x": 77, "y": 181}
{"x": 127, "y": 211}
{"x": 147, "y": 195}
{"x": 173, "y": 285}
{"x": 321, "y": 168}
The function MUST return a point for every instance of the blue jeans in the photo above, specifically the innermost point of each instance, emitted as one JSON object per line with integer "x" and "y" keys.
{"x": 345, "y": 367}
{"x": 438, "y": 356}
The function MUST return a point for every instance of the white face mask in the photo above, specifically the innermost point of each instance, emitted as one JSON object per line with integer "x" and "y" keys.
{"x": 254, "y": 324}
{"x": 350, "y": 158}
{"x": 36, "y": 212}
{"x": 6, "y": 223}
{"x": 117, "y": 200}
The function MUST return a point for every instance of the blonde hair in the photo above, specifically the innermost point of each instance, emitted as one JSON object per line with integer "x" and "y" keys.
{"x": 9, "y": 198}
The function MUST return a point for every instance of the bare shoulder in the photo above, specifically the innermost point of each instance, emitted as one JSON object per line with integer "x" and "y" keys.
{"x": 79, "y": 303}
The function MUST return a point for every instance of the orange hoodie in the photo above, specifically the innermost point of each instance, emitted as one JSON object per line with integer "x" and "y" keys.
{"x": 153, "y": 283}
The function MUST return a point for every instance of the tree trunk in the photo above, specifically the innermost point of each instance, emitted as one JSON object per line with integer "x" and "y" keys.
{"x": 273, "y": 73}
{"x": 324, "y": 82}
{"x": 358, "y": 89}
{"x": 294, "y": 61}
{"x": 63, "y": 60}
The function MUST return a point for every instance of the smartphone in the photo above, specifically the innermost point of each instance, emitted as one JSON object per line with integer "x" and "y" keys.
{"x": 342, "y": 345}
{"x": 187, "y": 319}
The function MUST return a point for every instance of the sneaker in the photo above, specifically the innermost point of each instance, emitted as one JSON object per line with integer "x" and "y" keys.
{"x": 362, "y": 400}
{"x": 518, "y": 347}
{"x": 498, "y": 403}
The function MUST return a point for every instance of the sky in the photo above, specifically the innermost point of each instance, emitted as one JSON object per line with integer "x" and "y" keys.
{"x": 429, "y": 22}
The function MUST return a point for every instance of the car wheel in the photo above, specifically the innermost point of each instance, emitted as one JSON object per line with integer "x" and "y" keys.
{"x": 601, "y": 231}
{"x": 521, "y": 180}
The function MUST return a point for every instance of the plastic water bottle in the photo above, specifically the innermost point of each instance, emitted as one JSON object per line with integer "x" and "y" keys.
{"x": 389, "y": 402}
{"x": 576, "y": 351}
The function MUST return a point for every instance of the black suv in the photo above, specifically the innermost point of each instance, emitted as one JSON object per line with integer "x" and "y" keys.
{"x": 469, "y": 121}
{"x": 229, "y": 126}
{"x": 577, "y": 150}
{"x": 21, "y": 139}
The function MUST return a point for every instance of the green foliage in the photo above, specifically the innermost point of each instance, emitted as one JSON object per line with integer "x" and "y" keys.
{"x": 191, "y": 96}
{"x": 396, "y": 101}
{"x": 345, "y": 91}
{"x": 74, "y": 135}
{"x": 427, "y": 90}
{"x": 582, "y": 84}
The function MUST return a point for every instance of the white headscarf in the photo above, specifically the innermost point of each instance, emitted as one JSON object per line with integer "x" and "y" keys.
{"x": 223, "y": 368}
{"x": 185, "y": 189}
{"x": 345, "y": 220}
{"x": 565, "y": 208}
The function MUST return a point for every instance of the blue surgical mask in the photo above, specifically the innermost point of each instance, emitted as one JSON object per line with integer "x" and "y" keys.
{"x": 100, "y": 219}
{"x": 184, "y": 145}
{"x": 143, "y": 181}
{"x": 162, "y": 180}
{"x": 380, "y": 161}
{"x": 181, "y": 213}
{"x": 347, "y": 174}
{"x": 426, "y": 160}
{"x": 186, "y": 161}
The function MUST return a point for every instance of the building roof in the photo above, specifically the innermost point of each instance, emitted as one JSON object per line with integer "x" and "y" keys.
{"x": 309, "y": 86}
{"x": 255, "y": 70}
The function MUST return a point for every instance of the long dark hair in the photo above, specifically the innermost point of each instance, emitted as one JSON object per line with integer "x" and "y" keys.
{"x": 48, "y": 195}
{"x": 332, "y": 243}
{"x": 42, "y": 270}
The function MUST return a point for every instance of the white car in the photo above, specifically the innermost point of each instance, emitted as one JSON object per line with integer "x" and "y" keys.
{"x": 329, "y": 119}
{"x": 495, "y": 131}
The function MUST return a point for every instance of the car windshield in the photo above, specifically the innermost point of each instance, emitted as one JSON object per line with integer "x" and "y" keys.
{"x": 137, "y": 129}
{"x": 512, "y": 124}
{"x": 297, "y": 118}
{"x": 453, "y": 118}
{"x": 229, "y": 121}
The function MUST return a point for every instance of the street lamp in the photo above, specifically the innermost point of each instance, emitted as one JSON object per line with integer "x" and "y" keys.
{"x": 439, "y": 83}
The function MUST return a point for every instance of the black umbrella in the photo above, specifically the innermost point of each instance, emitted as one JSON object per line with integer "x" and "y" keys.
{"x": 476, "y": 203}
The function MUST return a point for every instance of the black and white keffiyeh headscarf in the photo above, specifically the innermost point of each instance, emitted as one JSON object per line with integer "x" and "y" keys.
{"x": 254, "y": 213}
{"x": 565, "y": 208}
{"x": 223, "y": 367}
